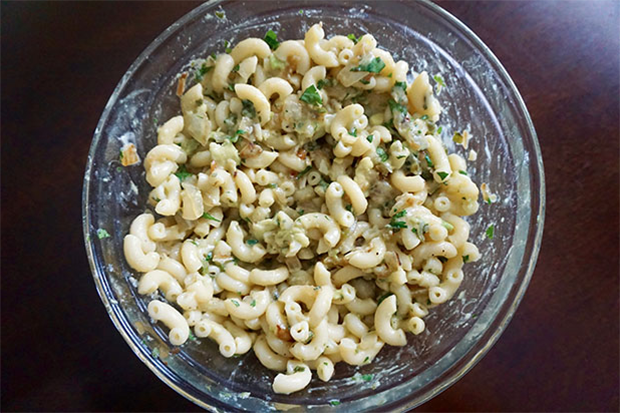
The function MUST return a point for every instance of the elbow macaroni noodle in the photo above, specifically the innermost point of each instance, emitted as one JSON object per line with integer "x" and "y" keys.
{"x": 310, "y": 210}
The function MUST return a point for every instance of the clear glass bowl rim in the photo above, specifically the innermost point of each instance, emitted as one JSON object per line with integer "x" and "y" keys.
{"x": 454, "y": 375}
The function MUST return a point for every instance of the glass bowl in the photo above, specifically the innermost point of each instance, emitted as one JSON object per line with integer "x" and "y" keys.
{"x": 479, "y": 96}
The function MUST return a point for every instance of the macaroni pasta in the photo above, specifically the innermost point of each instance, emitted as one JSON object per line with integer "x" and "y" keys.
{"x": 305, "y": 207}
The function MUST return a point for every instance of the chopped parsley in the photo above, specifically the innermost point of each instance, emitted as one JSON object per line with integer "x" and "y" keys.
{"x": 399, "y": 214}
{"x": 465, "y": 258}
{"x": 367, "y": 377}
{"x": 367, "y": 359}
{"x": 321, "y": 83}
{"x": 235, "y": 302}
{"x": 369, "y": 138}
{"x": 351, "y": 36}
{"x": 334, "y": 402}
{"x": 206, "y": 215}
{"x": 252, "y": 242}
{"x": 439, "y": 129}
{"x": 248, "y": 109}
{"x": 305, "y": 171}
{"x": 364, "y": 81}
{"x": 299, "y": 369}
{"x": 253, "y": 303}
{"x": 383, "y": 297}
{"x": 428, "y": 161}
{"x": 490, "y": 231}
{"x": 202, "y": 71}
{"x": 402, "y": 85}
{"x": 235, "y": 138}
{"x": 276, "y": 64}
{"x": 397, "y": 225}
{"x": 443, "y": 175}
{"x": 192, "y": 336}
{"x": 382, "y": 154}
{"x": 439, "y": 81}
{"x": 236, "y": 68}
{"x": 227, "y": 48}
{"x": 231, "y": 87}
{"x": 353, "y": 132}
{"x": 349, "y": 207}
{"x": 182, "y": 173}
{"x": 271, "y": 38}
{"x": 102, "y": 233}
{"x": 272, "y": 185}
{"x": 209, "y": 256}
{"x": 463, "y": 173}
{"x": 376, "y": 65}
{"x": 395, "y": 106}
{"x": 311, "y": 96}
{"x": 220, "y": 14}
{"x": 457, "y": 138}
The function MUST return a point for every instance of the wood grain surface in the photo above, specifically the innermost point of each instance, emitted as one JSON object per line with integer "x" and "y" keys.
{"x": 62, "y": 60}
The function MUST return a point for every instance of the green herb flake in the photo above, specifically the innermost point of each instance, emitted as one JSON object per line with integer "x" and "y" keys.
{"x": 275, "y": 63}
{"x": 192, "y": 336}
{"x": 227, "y": 48}
{"x": 311, "y": 96}
{"x": 252, "y": 242}
{"x": 235, "y": 302}
{"x": 369, "y": 138}
{"x": 301, "y": 212}
{"x": 206, "y": 215}
{"x": 383, "y": 297}
{"x": 271, "y": 38}
{"x": 209, "y": 256}
{"x": 428, "y": 161}
{"x": 325, "y": 363}
{"x": 395, "y": 106}
{"x": 376, "y": 65}
{"x": 253, "y": 303}
{"x": 443, "y": 175}
{"x": 272, "y": 185}
{"x": 382, "y": 154}
{"x": 220, "y": 14}
{"x": 465, "y": 259}
{"x": 351, "y": 36}
{"x": 400, "y": 214}
{"x": 457, "y": 138}
{"x": 300, "y": 12}
{"x": 299, "y": 369}
{"x": 353, "y": 132}
{"x": 120, "y": 156}
{"x": 305, "y": 171}
{"x": 398, "y": 225}
{"x": 490, "y": 231}
{"x": 402, "y": 85}
{"x": 349, "y": 207}
{"x": 155, "y": 352}
{"x": 202, "y": 71}
{"x": 366, "y": 360}
{"x": 248, "y": 110}
{"x": 102, "y": 233}
{"x": 439, "y": 129}
{"x": 231, "y": 87}
{"x": 439, "y": 81}
{"x": 321, "y": 83}
{"x": 334, "y": 402}
{"x": 236, "y": 68}
{"x": 463, "y": 173}
{"x": 367, "y": 377}
{"x": 364, "y": 81}
{"x": 428, "y": 301}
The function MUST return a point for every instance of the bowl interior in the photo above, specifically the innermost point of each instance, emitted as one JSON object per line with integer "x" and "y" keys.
{"x": 478, "y": 97}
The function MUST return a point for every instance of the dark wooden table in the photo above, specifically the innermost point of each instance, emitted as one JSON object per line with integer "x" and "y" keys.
{"x": 60, "y": 63}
